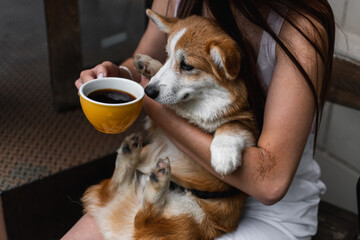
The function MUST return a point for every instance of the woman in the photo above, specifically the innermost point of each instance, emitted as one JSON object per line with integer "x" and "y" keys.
{"x": 287, "y": 47}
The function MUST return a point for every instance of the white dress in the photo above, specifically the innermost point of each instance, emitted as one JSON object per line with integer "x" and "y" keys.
{"x": 295, "y": 216}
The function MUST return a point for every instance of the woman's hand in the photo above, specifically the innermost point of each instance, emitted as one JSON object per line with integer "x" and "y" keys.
{"x": 107, "y": 69}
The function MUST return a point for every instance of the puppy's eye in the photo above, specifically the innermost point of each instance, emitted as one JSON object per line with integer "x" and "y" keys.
{"x": 185, "y": 66}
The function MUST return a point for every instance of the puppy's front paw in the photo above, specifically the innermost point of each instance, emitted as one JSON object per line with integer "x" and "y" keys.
{"x": 226, "y": 154}
{"x": 131, "y": 147}
{"x": 146, "y": 65}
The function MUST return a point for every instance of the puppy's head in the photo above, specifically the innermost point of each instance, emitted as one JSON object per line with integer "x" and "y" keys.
{"x": 202, "y": 67}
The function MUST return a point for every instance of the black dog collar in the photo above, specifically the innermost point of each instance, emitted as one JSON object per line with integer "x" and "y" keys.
{"x": 204, "y": 194}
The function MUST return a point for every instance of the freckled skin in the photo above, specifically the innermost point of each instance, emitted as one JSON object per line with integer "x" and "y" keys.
{"x": 267, "y": 164}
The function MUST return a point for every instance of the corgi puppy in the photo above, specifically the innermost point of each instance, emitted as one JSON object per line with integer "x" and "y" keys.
{"x": 156, "y": 191}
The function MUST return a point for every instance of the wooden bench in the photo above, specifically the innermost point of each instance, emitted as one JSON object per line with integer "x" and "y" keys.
{"x": 336, "y": 223}
{"x": 344, "y": 89}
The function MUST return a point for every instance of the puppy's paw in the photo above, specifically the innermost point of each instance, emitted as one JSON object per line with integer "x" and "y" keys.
{"x": 131, "y": 146}
{"x": 160, "y": 173}
{"x": 226, "y": 154}
{"x": 146, "y": 65}
{"x": 159, "y": 182}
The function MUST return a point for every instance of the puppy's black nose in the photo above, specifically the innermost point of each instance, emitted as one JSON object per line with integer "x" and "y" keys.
{"x": 152, "y": 91}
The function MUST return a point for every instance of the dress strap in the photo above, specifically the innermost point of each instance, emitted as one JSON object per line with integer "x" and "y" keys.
{"x": 176, "y": 7}
{"x": 275, "y": 22}
{"x": 266, "y": 56}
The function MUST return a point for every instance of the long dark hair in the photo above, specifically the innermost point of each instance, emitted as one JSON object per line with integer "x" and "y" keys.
{"x": 318, "y": 10}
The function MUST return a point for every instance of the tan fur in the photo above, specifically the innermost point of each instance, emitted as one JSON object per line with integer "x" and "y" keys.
{"x": 149, "y": 225}
{"x": 132, "y": 205}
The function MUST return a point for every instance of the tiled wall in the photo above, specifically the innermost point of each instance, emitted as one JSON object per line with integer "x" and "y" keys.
{"x": 338, "y": 150}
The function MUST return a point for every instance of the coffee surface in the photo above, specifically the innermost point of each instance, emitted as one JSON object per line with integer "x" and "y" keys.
{"x": 111, "y": 96}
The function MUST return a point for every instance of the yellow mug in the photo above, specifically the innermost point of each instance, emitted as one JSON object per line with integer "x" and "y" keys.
{"x": 111, "y": 118}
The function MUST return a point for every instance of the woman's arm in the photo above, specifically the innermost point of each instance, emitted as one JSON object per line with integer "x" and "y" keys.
{"x": 268, "y": 169}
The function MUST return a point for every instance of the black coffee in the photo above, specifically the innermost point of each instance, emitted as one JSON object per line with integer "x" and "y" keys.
{"x": 111, "y": 96}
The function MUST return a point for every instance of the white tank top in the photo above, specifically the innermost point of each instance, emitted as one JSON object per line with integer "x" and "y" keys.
{"x": 267, "y": 57}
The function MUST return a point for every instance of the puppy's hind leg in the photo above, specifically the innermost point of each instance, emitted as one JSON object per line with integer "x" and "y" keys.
{"x": 150, "y": 222}
{"x": 159, "y": 182}
{"x": 146, "y": 65}
{"x": 127, "y": 160}
{"x": 154, "y": 193}
{"x": 124, "y": 174}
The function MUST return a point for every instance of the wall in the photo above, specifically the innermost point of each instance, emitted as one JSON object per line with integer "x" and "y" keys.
{"x": 338, "y": 151}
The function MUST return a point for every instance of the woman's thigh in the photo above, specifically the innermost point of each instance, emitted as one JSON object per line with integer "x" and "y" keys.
{"x": 253, "y": 229}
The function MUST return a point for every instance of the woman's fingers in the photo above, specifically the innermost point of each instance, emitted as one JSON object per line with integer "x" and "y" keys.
{"x": 105, "y": 69}
{"x": 85, "y": 76}
{"x": 108, "y": 69}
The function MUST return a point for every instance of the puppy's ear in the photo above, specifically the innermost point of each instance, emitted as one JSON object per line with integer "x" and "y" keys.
{"x": 163, "y": 23}
{"x": 226, "y": 59}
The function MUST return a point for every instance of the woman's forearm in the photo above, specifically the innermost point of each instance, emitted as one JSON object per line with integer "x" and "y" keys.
{"x": 188, "y": 138}
{"x": 256, "y": 174}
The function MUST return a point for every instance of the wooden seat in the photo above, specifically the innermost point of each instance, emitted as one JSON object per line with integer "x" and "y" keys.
{"x": 336, "y": 223}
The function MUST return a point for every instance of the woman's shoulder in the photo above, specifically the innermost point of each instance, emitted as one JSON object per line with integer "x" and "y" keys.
{"x": 302, "y": 34}
{"x": 301, "y": 28}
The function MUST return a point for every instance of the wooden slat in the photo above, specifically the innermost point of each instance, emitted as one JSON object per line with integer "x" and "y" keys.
{"x": 63, "y": 32}
{"x": 335, "y": 223}
{"x": 344, "y": 86}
